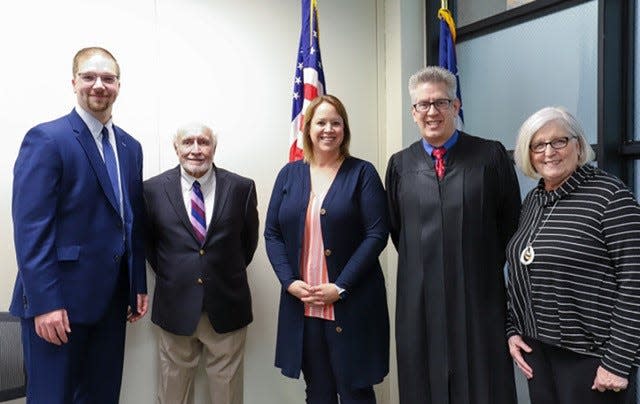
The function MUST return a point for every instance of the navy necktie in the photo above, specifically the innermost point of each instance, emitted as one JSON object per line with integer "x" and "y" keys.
{"x": 110, "y": 163}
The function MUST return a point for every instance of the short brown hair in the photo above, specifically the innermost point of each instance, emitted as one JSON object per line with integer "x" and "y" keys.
{"x": 85, "y": 52}
{"x": 307, "y": 146}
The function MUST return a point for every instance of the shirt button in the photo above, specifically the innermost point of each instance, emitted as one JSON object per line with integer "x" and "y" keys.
{"x": 201, "y": 252}
{"x": 323, "y": 211}
{"x": 338, "y": 329}
{"x": 200, "y": 281}
{"x": 327, "y": 252}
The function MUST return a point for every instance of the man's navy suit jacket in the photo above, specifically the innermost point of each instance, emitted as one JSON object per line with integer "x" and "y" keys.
{"x": 192, "y": 277}
{"x": 69, "y": 236}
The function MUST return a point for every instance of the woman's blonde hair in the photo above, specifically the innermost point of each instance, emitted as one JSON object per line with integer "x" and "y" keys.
{"x": 307, "y": 145}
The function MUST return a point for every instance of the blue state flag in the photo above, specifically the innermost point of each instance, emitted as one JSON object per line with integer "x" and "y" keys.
{"x": 447, "y": 55}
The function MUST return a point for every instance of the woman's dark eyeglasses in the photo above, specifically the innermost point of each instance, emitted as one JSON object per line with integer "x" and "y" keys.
{"x": 557, "y": 144}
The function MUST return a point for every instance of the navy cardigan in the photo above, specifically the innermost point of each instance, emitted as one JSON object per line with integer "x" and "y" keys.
{"x": 354, "y": 232}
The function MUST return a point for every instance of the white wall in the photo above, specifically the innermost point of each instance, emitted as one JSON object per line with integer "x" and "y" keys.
{"x": 404, "y": 54}
{"x": 229, "y": 64}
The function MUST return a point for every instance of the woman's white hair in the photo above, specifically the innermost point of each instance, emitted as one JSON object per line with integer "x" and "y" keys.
{"x": 534, "y": 123}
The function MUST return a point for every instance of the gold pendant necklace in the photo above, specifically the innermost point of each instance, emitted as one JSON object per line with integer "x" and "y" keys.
{"x": 528, "y": 253}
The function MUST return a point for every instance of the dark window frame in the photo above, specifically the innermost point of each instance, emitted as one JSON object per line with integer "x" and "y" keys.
{"x": 514, "y": 16}
{"x": 616, "y": 150}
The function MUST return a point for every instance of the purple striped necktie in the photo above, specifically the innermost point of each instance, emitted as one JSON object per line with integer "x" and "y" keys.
{"x": 197, "y": 218}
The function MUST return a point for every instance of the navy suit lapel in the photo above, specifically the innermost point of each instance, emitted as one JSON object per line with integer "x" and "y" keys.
{"x": 124, "y": 163}
{"x": 173, "y": 190}
{"x": 221, "y": 196}
{"x": 88, "y": 143}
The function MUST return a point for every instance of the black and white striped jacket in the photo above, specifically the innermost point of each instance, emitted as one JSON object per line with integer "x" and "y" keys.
{"x": 582, "y": 290}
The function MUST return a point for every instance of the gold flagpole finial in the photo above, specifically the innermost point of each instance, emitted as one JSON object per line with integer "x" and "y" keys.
{"x": 444, "y": 4}
{"x": 313, "y": 14}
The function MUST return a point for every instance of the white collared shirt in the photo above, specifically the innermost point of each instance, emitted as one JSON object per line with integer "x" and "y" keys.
{"x": 207, "y": 186}
{"x": 95, "y": 127}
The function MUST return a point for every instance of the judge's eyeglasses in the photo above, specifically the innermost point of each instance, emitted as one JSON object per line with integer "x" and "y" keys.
{"x": 441, "y": 104}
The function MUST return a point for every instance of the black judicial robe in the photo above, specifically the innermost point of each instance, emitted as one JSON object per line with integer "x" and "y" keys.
{"x": 451, "y": 237}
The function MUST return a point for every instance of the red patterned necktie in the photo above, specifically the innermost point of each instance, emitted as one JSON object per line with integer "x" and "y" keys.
{"x": 439, "y": 153}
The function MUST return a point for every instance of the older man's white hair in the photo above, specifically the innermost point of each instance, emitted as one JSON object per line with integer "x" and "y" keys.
{"x": 195, "y": 128}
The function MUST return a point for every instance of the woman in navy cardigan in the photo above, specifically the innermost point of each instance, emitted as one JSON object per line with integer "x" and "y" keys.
{"x": 326, "y": 225}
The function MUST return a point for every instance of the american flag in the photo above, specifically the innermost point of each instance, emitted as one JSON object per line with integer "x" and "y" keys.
{"x": 447, "y": 55}
{"x": 308, "y": 82}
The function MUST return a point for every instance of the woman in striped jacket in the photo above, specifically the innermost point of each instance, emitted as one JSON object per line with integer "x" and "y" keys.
{"x": 574, "y": 271}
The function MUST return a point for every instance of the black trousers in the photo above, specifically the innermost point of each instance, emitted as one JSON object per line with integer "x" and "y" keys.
{"x": 561, "y": 376}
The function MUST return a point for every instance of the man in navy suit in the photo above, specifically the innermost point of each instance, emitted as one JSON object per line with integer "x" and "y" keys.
{"x": 77, "y": 214}
{"x": 202, "y": 233}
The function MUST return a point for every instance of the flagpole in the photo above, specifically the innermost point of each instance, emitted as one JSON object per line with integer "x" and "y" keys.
{"x": 444, "y": 4}
{"x": 313, "y": 6}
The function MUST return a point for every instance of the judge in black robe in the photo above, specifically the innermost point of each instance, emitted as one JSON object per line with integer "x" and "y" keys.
{"x": 451, "y": 234}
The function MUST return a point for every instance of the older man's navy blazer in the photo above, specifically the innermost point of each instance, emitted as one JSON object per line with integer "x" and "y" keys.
{"x": 354, "y": 232}
{"x": 69, "y": 236}
{"x": 192, "y": 277}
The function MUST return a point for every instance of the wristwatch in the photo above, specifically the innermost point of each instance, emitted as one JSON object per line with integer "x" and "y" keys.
{"x": 342, "y": 293}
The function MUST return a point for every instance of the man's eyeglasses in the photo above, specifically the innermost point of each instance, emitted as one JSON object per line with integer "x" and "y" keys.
{"x": 557, "y": 144}
{"x": 441, "y": 104}
{"x": 91, "y": 78}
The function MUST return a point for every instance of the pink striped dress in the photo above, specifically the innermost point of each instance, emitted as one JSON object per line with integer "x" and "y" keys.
{"x": 314, "y": 263}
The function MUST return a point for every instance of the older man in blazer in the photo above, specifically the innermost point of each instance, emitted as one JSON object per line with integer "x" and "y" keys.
{"x": 202, "y": 233}
{"x": 77, "y": 210}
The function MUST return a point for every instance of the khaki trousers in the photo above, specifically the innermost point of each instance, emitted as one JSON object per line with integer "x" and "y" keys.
{"x": 179, "y": 356}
